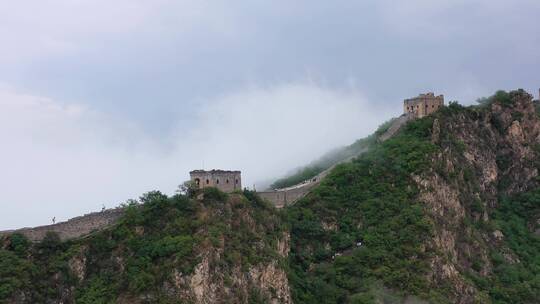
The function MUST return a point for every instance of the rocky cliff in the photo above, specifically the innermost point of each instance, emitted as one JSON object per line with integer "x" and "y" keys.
{"x": 485, "y": 153}
{"x": 447, "y": 210}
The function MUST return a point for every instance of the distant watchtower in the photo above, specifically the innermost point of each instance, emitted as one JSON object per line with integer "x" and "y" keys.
{"x": 226, "y": 181}
{"x": 423, "y": 104}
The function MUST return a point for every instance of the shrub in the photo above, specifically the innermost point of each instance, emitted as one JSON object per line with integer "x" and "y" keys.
{"x": 19, "y": 244}
{"x": 14, "y": 274}
{"x": 50, "y": 244}
{"x": 214, "y": 194}
{"x": 517, "y": 282}
{"x": 179, "y": 246}
{"x": 97, "y": 291}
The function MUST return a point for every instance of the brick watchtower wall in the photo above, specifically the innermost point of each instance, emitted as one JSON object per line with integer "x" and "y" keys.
{"x": 423, "y": 104}
{"x": 226, "y": 181}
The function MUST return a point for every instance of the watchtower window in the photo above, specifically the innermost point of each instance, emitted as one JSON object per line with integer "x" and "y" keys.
{"x": 197, "y": 181}
{"x": 217, "y": 181}
{"x": 237, "y": 181}
{"x": 227, "y": 181}
{"x": 207, "y": 181}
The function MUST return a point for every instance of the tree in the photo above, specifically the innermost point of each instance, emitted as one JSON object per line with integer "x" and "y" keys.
{"x": 188, "y": 188}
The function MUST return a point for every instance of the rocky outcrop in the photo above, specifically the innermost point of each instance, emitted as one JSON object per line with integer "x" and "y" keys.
{"x": 214, "y": 280}
{"x": 485, "y": 153}
{"x": 77, "y": 264}
{"x": 212, "y": 284}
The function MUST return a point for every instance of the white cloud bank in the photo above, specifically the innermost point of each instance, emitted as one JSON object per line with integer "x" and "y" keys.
{"x": 67, "y": 160}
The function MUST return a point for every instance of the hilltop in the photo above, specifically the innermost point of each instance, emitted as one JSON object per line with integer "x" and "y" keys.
{"x": 165, "y": 249}
{"x": 447, "y": 210}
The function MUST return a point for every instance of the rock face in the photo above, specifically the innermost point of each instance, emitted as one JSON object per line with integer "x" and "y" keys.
{"x": 209, "y": 284}
{"x": 214, "y": 280}
{"x": 485, "y": 153}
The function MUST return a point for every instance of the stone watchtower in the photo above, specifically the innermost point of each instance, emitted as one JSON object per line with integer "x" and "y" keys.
{"x": 422, "y": 105}
{"x": 226, "y": 181}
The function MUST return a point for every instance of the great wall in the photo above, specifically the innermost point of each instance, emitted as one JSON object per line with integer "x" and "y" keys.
{"x": 86, "y": 224}
{"x": 73, "y": 228}
{"x": 284, "y": 196}
{"x": 417, "y": 107}
{"x": 230, "y": 180}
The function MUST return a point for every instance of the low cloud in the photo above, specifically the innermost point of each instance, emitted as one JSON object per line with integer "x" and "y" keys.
{"x": 63, "y": 161}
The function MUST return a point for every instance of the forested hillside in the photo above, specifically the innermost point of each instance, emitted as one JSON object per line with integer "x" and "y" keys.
{"x": 329, "y": 159}
{"x": 445, "y": 211}
{"x": 223, "y": 248}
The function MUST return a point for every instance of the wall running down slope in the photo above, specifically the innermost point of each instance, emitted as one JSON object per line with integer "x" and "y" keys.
{"x": 284, "y": 196}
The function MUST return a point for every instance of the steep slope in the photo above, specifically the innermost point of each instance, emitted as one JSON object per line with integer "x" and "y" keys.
{"x": 430, "y": 212}
{"x": 486, "y": 155}
{"x": 222, "y": 249}
{"x": 332, "y": 158}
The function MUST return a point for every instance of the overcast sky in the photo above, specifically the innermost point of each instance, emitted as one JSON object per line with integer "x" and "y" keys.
{"x": 101, "y": 100}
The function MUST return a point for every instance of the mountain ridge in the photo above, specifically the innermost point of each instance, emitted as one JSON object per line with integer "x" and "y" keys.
{"x": 445, "y": 211}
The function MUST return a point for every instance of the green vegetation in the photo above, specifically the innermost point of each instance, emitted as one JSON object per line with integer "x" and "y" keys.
{"x": 517, "y": 281}
{"x": 14, "y": 273}
{"x": 502, "y": 97}
{"x": 298, "y": 177}
{"x": 154, "y": 238}
{"x": 371, "y": 200}
{"x": 505, "y": 100}
{"x": 331, "y": 158}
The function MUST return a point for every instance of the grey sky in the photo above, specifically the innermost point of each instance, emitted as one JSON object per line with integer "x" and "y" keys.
{"x": 102, "y": 100}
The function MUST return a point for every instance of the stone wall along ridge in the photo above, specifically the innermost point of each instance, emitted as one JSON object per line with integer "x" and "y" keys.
{"x": 72, "y": 228}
